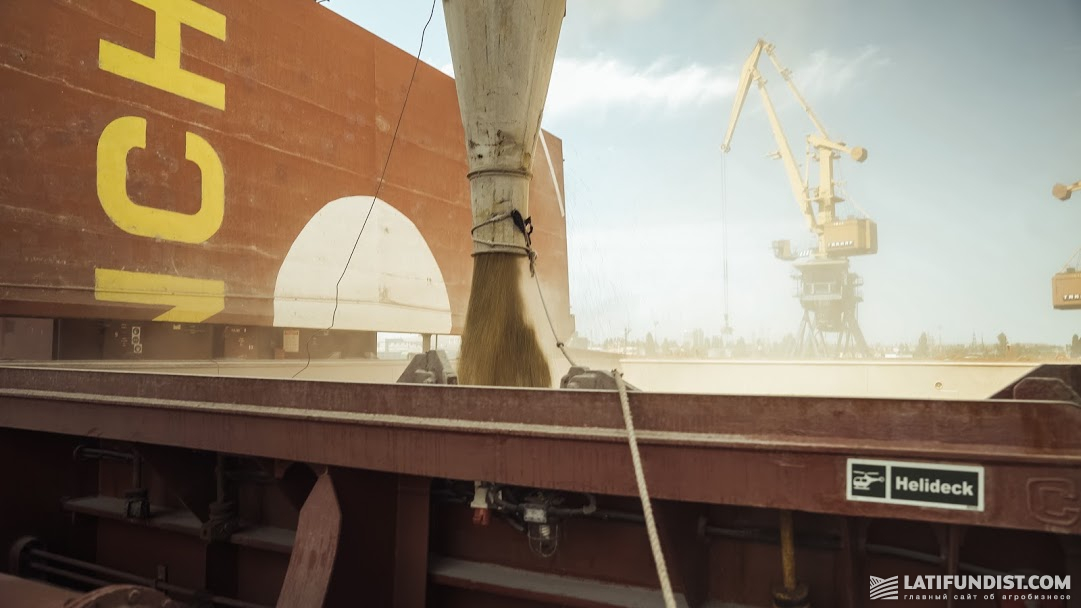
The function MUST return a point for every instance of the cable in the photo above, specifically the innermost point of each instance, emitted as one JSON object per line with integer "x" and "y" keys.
{"x": 844, "y": 190}
{"x": 1072, "y": 262}
{"x": 375, "y": 197}
{"x": 559, "y": 343}
{"x": 525, "y": 226}
{"x": 724, "y": 237}
{"x": 643, "y": 493}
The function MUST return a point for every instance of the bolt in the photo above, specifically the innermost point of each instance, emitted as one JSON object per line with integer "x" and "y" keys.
{"x": 169, "y": 604}
{"x": 134, "y": 596}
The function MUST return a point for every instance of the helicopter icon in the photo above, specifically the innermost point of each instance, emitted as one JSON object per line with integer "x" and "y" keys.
{"x": 862, "y": 480}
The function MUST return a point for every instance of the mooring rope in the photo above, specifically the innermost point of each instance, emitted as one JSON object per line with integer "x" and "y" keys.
{"x": 643, "y": 493}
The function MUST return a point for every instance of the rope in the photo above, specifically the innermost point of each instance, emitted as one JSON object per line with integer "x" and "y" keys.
{"x": 643, "y": 494}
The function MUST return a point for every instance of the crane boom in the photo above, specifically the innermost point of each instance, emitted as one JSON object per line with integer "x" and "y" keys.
{"x": 751, "y": 74}
{"x": 787, "y": 75}
{"x": 791, "y": 168}
{"x": 746, "y": 76}
{"x": 835, "y": 238}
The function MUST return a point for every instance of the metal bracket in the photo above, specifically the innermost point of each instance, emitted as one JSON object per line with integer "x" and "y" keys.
{"x": 223, "y": 518}
{"x": 222, "y": 523}
{"x": 581, "y": 377}
{"x": 432, "y": 367}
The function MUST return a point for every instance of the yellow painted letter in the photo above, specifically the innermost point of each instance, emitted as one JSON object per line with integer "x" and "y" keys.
{"x": 163, "y": 71}
{"x": 119, "y": 138}
{"x": 191, "y": 300}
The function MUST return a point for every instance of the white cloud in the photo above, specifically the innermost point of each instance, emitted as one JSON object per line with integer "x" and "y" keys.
{"x": 601, "y": 82}
{"x": 827, "y": 73}
{"x": 614, "y": 10}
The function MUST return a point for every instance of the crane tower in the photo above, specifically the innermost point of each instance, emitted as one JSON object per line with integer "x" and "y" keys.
{"x": 828, "y": 290}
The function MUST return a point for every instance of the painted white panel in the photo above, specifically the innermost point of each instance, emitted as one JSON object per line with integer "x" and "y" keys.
{"x": 393, "y": 282}
{"x": 870, "y": 379}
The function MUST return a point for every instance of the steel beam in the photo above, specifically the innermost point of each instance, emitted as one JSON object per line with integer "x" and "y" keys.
{"x": 774, "y": 452}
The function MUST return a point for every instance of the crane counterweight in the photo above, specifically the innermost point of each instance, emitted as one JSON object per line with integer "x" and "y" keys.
{"x": 1062, "y": 192}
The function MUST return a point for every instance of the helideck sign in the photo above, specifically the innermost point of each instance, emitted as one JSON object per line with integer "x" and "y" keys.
{"x": 944, "y": 486}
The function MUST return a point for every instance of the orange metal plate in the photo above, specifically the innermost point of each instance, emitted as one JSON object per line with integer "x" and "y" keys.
{"x": 311, "y": 101}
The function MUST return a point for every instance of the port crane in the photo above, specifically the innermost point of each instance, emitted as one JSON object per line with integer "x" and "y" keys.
{"x": 1066, "y": 284}
{"x": 827, "y": 289}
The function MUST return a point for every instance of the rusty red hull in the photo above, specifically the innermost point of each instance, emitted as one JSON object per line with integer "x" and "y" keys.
{"x": 265, "y": 116}
{"x": 340, "y": 488}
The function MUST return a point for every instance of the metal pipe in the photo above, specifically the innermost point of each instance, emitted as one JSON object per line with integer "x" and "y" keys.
{"x": 755, "y": 535}
{"x": 83, "y": 452}
{"x": 219, "y": 477}
{"x": 610, "y": 515}
{"x": 170, "y": 588}
{"x": 90, "y": 567}
{"x": 822, "y": 542}
{"x": 136, "y": 471}
{"x": 503, "y": 53}
{"x": 71, "y": 576}
{"x": 788, "y": 551}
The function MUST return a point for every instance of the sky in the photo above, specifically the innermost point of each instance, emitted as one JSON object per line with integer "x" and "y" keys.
{"x": 970, "y": 111}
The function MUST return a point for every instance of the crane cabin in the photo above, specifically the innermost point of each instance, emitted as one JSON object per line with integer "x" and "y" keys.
{"x": 854, "y": 236}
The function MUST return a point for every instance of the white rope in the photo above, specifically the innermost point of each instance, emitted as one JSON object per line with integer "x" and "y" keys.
{"x": 643, "y": 494}
{"x": 559, "y": 343}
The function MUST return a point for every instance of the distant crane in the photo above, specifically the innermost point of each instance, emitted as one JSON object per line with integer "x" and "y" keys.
{"x": 1062, "y": 192}
{"x": 828, "y": 291}
{"x": 1066, "y": 284}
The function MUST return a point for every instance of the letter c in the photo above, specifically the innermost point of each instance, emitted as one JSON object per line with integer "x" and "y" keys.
{"x": 128, "y": 132}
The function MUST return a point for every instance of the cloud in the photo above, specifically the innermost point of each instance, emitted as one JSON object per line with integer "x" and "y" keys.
{"x": 614, "y": 10}
{"x": 601, "y": 82}
{"x": 830, "y": 74}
